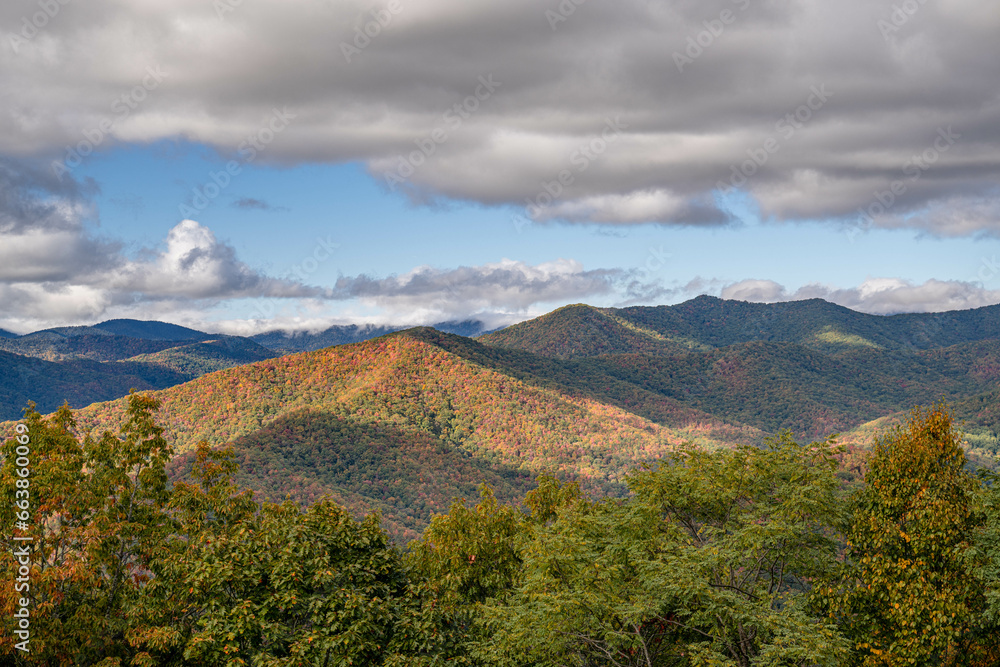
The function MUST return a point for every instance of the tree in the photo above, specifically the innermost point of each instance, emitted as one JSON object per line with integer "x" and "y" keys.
{"x": 708, "y": 563}
{"x": 97, "y": 514}
{"x": 984, "y": 560}
{"x": 463, "y": 559}
{"x": 274, "y": 587}
{"x": 910, "y": 597}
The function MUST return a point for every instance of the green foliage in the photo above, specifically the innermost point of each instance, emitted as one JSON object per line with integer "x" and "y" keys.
{"x": 473, "y": 554}
{"x": 128, "y": 572}
{"x": 78, "y": 382}
{"x": 282, "y": 588}
{"x": 197, "y": 359}
{"x": 909, "y": 596}
{"x": 708, "y": 563}
{"x": 405, "y": 474}
{"x": 97, "y": 514}
{"x": 985, "y": 556}
{"x": 727, "y": 557}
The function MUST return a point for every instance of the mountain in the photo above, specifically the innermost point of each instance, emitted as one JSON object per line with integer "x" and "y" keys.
{"x": 87, "y": 368}
{"x": 402, "y": 424}
{"x": 55, "y": 345}
{"x": 151, "y": 330}
{"x": 80, "y": 382}
{"x": 156, "y": 355}
{"x": 707, "y": 322}
{"x": 774, "y": 386}
{"x": 196, "y": 359}
{"x": 583, "y": 331}
{"x": 7, "y": 334}
{"x": 302, "y": 341}
{"x": 406, "y": 421}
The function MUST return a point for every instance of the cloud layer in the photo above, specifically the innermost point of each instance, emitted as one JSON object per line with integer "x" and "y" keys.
{"x": 878, "y": 296}
{"x": 617, "y": 112}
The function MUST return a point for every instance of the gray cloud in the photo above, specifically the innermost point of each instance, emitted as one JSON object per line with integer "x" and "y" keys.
{"x": 506, "y": 286}
{"x": 250, "y": 203}
{"x": 891, "y": 89}
{"x": 880, "y": 296}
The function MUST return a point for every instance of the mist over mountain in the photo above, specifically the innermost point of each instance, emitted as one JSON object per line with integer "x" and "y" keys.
{"x": 304, "y": 341}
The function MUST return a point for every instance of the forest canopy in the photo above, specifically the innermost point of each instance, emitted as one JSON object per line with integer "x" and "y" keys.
{"x": 743, "y": 556}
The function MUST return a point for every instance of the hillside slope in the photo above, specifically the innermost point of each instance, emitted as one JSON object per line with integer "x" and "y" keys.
{"x": 295, "y": 417}
{"x": 288, "y": 342}
{"x": 708, "y": 322}
{"x": 151, "y": 330}
{"x": 581, "y": 331}
{"x": 196, "y": 359}
{"x": 78, "y": 382}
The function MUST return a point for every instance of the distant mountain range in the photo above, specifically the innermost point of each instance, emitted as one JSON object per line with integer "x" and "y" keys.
{"x": 403, "y": 422}
{"x": 706, "y": 323}
{"x": 302, "y": 341}
{"x": 145, "y": 355}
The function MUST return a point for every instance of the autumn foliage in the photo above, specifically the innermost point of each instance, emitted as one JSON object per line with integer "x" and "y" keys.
{"x": 746, "y": 556}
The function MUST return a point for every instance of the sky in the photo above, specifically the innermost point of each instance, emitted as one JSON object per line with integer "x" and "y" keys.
{"x": 244, "y": 165}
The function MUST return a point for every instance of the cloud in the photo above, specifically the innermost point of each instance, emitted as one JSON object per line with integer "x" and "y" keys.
{"x": 879, "y": 296}
{"x": 54, "y": 269}
{"x": 508, "y": 286}
{"x": 42, "y": 224}
{"x": 196, "y": 265}
{"x": 409, "y": 95}
{"x": 249, "y": 203}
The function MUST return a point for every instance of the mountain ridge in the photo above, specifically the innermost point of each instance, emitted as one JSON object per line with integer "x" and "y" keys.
{"x": 710, "y": 322}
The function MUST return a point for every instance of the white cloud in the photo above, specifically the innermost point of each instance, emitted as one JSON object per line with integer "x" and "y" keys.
{"x": 195, "y": 265}
{"x": 878, "y": 296}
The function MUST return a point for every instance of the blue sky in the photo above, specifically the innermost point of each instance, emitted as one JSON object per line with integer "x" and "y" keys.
{"x": 477, "y": 113}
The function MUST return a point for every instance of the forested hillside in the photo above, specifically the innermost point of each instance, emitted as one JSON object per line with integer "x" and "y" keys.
{"x": 80, "y": 382}
{"x": 707, "y": 322}
{"x": 197, "y": 359}
{"x": 404, "y": 422}
{"x": 405, "y": 394}
{"x": 102, "y": 362}
{"x": 340, "y": 420}
{"x": 746, "y": 556}
{"x": 289, "y": 342}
